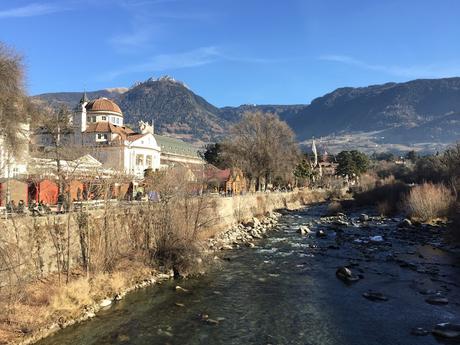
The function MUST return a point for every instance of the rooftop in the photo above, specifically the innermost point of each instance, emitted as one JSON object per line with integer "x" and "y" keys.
{"x": 104, "y": 105}
{"x": 176, "y": 146}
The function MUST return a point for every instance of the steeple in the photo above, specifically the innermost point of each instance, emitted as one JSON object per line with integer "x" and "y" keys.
{"x": 84, "y": 98}
{"x": 315, "y": 153}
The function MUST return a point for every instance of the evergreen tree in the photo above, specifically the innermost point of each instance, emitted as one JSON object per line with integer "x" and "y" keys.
{"x": 213, "y": 155}
{"x": 352, "y": 163}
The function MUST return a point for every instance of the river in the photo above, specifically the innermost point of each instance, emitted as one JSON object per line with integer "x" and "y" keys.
{"x": 285, "y": 291}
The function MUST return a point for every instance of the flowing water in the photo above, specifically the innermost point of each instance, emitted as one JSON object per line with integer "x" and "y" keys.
{"x": 285, "y": 291}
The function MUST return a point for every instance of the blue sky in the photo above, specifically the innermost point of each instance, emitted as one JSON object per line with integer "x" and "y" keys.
{"x": 233, "y": 52}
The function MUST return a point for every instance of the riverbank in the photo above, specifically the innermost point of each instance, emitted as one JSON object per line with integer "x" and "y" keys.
{"x": 47, "y": 306}
{"x": 285, "y": 290}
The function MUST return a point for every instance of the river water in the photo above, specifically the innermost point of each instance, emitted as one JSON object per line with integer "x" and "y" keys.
{"x": 285, "y": 291}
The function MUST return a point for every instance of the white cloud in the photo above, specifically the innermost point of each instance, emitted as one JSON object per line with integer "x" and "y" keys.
{"x": 439, "y": 70}
{"x": 165, "y": 62}
{"x": 31, "y": 10}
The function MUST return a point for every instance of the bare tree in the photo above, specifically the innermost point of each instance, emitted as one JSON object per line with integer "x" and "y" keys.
{"x": 15, "y": 111}
{"x": 264, "y": 147}
{"x": 55, "y": 130}
{"x": 14, "y": 104}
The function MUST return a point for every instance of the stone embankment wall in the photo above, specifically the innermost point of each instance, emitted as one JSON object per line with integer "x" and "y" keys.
{"x": 238, "y": 209}
{"x": 33, "y": 247}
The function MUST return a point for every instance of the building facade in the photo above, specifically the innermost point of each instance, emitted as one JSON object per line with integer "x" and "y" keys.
{"x": 13, "y": 163}
{"x": 97, "y": 127}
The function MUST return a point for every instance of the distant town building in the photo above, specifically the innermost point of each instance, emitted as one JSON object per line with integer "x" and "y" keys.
{"x": 229, "y": 181}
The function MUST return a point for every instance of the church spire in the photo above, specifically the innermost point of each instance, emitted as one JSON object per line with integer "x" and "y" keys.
{"x": 84, "y": 98}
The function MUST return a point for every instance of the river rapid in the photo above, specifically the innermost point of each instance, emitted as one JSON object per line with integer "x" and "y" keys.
{"x": 285, "y": 291}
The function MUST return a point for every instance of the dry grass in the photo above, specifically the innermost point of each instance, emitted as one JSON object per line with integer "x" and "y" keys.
{"x": 429, "y": 201}
{"x": 388, "y": 196}
{"x": 45, "y": 302}
{"x": 107, "y": 285}
{"x": 71, "y": 298}
{"x": 367, "y": 182}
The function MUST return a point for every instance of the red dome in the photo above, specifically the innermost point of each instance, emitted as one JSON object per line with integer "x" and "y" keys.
{"x": 103, "y": 105}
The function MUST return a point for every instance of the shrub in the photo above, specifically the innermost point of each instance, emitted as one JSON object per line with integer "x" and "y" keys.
{"x": 367, "y": 182}
{"x": 429, "y": 201}
{"x": 385, "y": 208}
{"x": 430, "y": 168}
{"x": 387, "y": 197}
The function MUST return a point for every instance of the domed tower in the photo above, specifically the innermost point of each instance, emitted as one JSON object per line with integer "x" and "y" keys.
{"x": 104, "y": 110}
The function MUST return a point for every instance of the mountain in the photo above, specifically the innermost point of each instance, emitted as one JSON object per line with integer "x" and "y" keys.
{"x": 174, "y": 108}
{"x": 424, "y": 112}
{"x": 398, "y": 109}
{"x": 71, "y": 99}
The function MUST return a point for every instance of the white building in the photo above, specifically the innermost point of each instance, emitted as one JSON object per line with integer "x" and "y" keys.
{"x": 15, "y": 164}
{"x": 98, "y": 128}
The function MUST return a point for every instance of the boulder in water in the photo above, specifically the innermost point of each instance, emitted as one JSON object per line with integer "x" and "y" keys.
{"x": 375, "y": 296}
{"x": 345, "y": 274}
{"x": 105, "y": 303}
{"x": 406, "y": 223}
{"x": 437, "y": 300}
{"x": 447, "y": 330}
{"x": 304, "y": 230}
{"x": 364, "y": 217}
{"x": 212, "y": 322}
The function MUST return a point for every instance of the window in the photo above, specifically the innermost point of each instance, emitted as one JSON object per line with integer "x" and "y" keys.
{"x": 101, "y": 136}
{"x": 139, "y": 159}
{"x": 148, "y": 161}
{"x": 104, "y": 118}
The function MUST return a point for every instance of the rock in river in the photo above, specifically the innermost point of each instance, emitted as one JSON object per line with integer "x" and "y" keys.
{"x": 321, "y": 234}
{"x": 105, "y": 303}
{"x": 345, "y": 274}
{"x": 303, "y": 230}
{"x": 364, "y": 217}
{"x": 447, "y": 330}
{"x": 375, "y": 296}
{"x": 437, "y": 300}
{"x": 406, "y": 223}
